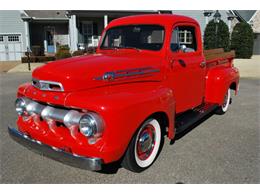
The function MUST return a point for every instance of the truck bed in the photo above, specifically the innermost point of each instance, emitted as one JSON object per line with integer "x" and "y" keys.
{"x": 216, "y": 57}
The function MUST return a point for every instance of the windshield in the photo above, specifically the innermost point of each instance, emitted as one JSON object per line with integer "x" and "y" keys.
{"x": 148, "y": 37}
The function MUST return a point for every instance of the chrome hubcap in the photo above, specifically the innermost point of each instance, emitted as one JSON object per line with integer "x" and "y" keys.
{"x": 146, "y": 142}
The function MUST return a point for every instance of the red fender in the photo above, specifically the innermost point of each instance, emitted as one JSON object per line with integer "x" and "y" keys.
{"x": 123, "y": 111}
{"x": 218, "y": 81}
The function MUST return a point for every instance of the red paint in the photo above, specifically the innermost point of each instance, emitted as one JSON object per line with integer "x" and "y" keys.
{"x": 125, "y": 103}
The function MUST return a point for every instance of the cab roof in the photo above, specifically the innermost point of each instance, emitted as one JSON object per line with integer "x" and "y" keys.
{"x": 159, "y": 19}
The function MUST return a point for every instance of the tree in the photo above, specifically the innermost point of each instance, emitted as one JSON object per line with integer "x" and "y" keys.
{"x": 242, "y": 40}
{"x": 216, "y": 35}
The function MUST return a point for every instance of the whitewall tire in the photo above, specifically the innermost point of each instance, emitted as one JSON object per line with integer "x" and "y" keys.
{"x": 144, "y": 146}
{"x": 224, "y": 107}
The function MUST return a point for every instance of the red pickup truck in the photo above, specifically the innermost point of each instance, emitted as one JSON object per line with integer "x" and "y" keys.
{"x": 149, "y": 79}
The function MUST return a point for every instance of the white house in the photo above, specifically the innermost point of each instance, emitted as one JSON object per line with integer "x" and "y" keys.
{"x": 44, "y": 30}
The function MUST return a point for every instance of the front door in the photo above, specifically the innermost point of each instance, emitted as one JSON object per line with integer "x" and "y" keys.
{"x": 49, "y": 37}
{"x": 187, "y": 70}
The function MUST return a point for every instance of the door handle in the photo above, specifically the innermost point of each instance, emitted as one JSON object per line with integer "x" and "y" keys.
{"x": 182, "y": 63}
{"x": 203, "y": 64}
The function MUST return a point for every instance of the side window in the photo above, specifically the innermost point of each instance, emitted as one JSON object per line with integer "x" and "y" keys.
{"x": 184, "y": 37}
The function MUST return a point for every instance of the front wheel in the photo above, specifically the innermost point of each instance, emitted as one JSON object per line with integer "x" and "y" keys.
{"x": 144, "y": 146}
{"x": 224, "y": 107}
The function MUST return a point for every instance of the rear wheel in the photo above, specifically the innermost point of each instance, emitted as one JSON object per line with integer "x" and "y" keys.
{"x": 144, "y": 146}
{"x": 224, "y": 107}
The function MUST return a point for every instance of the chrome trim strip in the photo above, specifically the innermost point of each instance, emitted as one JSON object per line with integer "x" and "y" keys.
{"x": 109, "y": 76}
{"x": 47, "y": 82}
{"x": 54, "y": 153}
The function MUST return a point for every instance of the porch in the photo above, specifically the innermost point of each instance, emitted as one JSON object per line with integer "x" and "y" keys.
{"x": 47, "y": 36}
{"x": 45, "y": 31}
{"x": 85, "y": 27}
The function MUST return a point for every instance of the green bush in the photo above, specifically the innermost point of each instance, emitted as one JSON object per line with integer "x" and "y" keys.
{"x": 242, "y": 40}
{"x": 91, "y": 50}
{"x": 63, "y": 47}
{"x": 63, "y": 52}
{"x": 213, "y": 40}
{"x": 38, "y": 59}
{"x": 78, "y": 53}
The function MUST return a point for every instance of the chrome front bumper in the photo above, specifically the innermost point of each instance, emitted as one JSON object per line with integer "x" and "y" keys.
{"x": 93, "y": 164}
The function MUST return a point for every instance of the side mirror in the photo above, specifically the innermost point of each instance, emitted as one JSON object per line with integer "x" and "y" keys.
{"x": 183, "y": 48}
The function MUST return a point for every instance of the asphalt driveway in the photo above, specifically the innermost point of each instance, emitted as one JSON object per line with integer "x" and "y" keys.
{"x": 222, "y": 149}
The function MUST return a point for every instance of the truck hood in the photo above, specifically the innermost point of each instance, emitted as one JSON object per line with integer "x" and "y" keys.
{"x": 90, "y": 71}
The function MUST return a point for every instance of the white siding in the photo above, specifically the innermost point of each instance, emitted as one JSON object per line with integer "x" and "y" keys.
{"x": 11, "y": 22}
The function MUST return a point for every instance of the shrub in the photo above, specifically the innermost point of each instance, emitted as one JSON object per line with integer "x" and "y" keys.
{"x": 91, "y": 50}
{"x": 213, "y": 40}
{"x": 38, "y": 59}
{"x": 63, "y": 47}
{"x": 63, "y": 52}
{"x": 45, "y": 58}
{"x": 242, "y": 40}
{"x": 78, "y": 53}
{"x": 25, "y": 59}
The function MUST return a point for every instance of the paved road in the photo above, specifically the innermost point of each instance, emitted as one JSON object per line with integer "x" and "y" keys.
{"x": 223, "y": 149}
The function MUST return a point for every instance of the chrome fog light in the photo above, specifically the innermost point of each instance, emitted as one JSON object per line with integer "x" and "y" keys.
{"x": 20, "y": 106}
{"x": 91, "y": 125}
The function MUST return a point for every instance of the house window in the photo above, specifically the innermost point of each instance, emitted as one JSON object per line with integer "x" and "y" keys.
{"x": 87, "y": 31}
{"x": 1, "y": 38}
{"x": 13, "y": 38}
{"x": 184, "y": 35}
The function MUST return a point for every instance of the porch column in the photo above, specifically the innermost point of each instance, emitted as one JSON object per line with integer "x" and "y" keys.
{"x": 230, "y": 18}
{"x": 207, "y": 19}
{"x": 105, "y": 20}
{"x": 27, "y": 35}
{"x": 229, "y": 25}
{"x": 73, "y": 32}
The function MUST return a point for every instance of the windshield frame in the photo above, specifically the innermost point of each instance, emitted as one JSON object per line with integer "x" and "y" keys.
{"x": 101, "y": 47}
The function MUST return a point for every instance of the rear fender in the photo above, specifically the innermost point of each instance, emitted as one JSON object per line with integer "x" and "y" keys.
{"x": 218, "y": 81}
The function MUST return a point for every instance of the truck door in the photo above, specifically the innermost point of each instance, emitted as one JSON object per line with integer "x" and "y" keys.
{"x": 187, "y": 66}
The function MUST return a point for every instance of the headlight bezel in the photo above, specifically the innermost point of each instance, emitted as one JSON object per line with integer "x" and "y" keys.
{"x": 91, "y": 125}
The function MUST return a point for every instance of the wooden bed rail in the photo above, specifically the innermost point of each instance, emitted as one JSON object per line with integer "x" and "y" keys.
{"x": 216, "y": 54}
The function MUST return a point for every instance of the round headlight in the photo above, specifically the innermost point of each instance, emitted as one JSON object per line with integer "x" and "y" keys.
{"x": 90, "y": 125}
{"x": 20, "y": 106}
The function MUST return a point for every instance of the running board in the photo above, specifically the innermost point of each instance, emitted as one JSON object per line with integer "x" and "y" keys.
{"x": 190, "y": 117}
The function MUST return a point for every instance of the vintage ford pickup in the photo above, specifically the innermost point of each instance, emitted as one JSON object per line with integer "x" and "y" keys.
{"x": 148, "y": 79}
